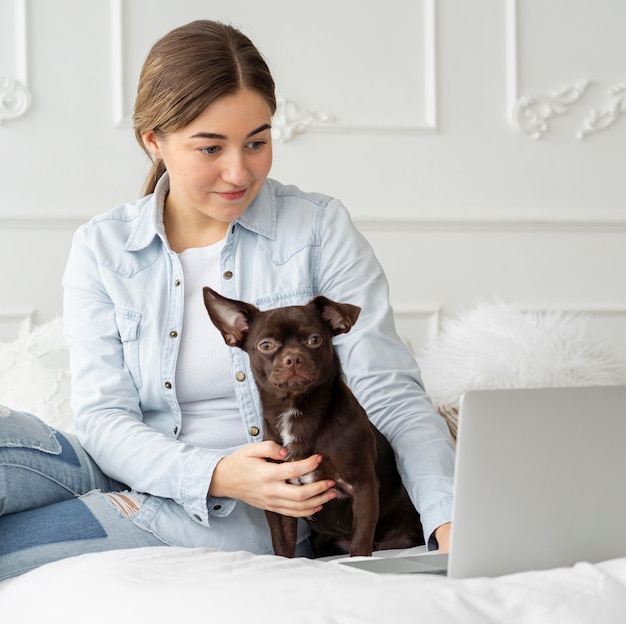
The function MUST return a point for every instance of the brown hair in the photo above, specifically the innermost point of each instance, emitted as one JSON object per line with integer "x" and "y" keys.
{"x": 187, "y": 70}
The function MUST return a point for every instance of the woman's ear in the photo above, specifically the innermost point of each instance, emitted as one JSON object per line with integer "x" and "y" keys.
{"x": 152, "y": 143}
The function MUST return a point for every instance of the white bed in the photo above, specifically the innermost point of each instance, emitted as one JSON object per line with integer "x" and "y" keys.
{"x": 174, "y": 584}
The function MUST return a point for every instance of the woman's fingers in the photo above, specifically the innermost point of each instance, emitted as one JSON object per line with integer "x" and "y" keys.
{"x": 265, "y": 450}
{"x": 288, "y": 488}
{"x": 300, "y": 469}
{"x": 302, "y": 500}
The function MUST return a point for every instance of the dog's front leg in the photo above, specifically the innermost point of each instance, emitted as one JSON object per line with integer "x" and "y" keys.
{"x": 284, "y": 533}
{"x": 364, "y": 518}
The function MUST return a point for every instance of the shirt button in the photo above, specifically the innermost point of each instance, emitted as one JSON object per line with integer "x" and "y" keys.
{"x": 177, "y": 282}
{"x": 197, "y": 517}
{"x": 254, "y": 431}
{"x": 168, "y": 385}
{"x": 217, "y": 507}
{"x": 173, "y": 334}
{"x": 240, "y": 376}
{"x": 228, "y": 275}
{"x": 175, "y": 430}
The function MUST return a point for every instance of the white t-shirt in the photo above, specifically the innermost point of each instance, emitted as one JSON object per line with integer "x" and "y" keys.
{"x": 205, "y": 387}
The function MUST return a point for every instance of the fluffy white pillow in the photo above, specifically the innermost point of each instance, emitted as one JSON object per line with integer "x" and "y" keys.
{"x": 34, "y": 375}
{"x": 495, "y": 345}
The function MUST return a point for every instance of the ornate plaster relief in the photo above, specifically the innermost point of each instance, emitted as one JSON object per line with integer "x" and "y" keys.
{"x": 532, "y": 114}
{"x": 601, "y": 119}
{"x": 15, "y": 98}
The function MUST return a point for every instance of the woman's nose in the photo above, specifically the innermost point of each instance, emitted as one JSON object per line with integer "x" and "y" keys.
{"x": 235, "y": 170}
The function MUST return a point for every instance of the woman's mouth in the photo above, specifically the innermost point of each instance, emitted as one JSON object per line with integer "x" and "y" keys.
{"x": 233, "y": 195}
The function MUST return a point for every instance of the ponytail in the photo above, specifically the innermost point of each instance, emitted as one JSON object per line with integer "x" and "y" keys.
{"x": 156, "y": 171}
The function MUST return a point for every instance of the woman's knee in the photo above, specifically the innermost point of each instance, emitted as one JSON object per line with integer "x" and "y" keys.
{"x": 40, "y": 466}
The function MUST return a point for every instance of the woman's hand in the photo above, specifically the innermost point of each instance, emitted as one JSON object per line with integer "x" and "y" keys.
{"x": 247, "y": 475}
{"x": 442, "y": 535}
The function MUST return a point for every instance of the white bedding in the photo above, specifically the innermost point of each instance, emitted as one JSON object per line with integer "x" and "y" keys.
{"x": 177, "y": 584}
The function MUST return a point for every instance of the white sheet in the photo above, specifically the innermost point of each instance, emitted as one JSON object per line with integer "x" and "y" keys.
{"x": 177, "y": 584}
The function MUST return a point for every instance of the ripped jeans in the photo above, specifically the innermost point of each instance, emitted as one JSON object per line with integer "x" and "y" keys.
{"x": 54, "y": 500}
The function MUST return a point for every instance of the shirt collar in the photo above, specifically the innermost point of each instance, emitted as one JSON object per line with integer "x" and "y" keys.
{"x": 259, "y": 217}
{"x": 150, "y": 222}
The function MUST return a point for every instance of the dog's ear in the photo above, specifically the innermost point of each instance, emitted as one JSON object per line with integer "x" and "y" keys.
{"x": 339, "y": 316}
{"x": 231, "y": 317}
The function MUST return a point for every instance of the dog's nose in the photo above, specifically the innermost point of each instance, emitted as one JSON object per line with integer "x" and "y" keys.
{"x": 292, "y": 360}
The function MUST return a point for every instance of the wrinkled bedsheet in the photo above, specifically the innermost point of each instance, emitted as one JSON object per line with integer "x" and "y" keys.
{"x": 178, "y": 584}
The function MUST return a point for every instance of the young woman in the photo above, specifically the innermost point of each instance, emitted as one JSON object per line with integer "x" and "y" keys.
{"x": 168, "y": 443}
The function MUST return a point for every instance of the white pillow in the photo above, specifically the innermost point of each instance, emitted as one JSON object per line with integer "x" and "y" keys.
{"x": 34, "y": 375}
{"x": 495, "y": 345}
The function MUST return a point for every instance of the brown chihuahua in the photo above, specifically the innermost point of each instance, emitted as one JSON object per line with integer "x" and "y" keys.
{"x": 308, "y": 408}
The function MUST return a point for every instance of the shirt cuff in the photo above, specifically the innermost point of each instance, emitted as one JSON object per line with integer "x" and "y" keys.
{"x": 433, "y": 518}
{"x": 195, "y": 498}
{"x": 220, "y": 507}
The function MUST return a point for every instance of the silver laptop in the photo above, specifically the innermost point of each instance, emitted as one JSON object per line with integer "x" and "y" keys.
{"x": 539, "y": 483}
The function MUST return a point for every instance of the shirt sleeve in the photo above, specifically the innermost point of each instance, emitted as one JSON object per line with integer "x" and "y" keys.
{"x": 383, "y": 373}
{"x": 106, "y": 402}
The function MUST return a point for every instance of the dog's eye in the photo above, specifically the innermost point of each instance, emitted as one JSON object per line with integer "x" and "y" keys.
{"x": 314, "y": 341}
{"x": 266, "y": 345}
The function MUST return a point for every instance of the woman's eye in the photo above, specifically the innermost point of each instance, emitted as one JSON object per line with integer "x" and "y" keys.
{"x": 210, "y": 150}
{"x": 315, "y": 340}
{"x": 256, "y": 145}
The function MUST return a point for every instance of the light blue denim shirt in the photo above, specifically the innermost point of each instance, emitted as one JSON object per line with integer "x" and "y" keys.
{"x": 123, "y": 311}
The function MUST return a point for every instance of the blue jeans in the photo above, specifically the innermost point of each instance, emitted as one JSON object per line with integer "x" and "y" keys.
{"x": 54, "y": 500}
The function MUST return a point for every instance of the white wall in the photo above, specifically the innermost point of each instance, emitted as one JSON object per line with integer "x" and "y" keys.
{"x": 478, "y": 144}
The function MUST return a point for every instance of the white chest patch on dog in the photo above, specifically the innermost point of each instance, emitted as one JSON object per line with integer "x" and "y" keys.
{"x": 286, "y": 428}
{"x": 286, "y": 422}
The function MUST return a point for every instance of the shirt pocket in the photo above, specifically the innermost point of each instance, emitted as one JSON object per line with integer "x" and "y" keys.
{"x": 128, "y": 326}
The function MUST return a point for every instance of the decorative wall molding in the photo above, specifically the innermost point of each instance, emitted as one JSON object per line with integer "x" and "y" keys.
{"x": 289, "y": 120}
{"x": 292, "y": 119}
{"x": 429, "y": 124}
{"x": 602, "y": 119}
{"x": 121, "y": 118}
{"x": 596, "y": 309}
{"x": 417, "y": 323}
{"x": 511, "y": 226}
{"x": 531, "y": 113}
{"x": 15, "y": 97}
{"x": 588, "y": 226}
{"x": 69, "y": 224}
{"x": 15, "y": 322}
{"x": 379, "y": 224}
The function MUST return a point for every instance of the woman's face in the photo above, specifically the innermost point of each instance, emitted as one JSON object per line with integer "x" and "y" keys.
{"x": 218, "y": 163}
